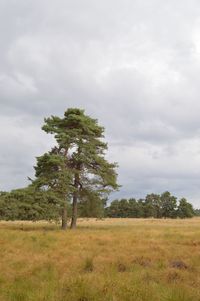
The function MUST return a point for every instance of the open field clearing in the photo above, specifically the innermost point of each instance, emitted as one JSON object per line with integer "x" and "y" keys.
{"x": 109, "y": 260}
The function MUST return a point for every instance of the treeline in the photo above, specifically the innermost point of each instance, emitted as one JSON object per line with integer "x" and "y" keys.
{"x": 154, "y": 205}
{"x": 197, "y": 212}
{"x": 31, "y": 204}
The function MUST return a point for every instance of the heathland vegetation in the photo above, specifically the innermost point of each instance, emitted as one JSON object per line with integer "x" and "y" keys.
{"x": 103, "y": 260}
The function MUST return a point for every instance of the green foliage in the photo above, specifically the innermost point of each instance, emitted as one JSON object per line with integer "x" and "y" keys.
{"x": 125, "y": 208}
{"x": 76, "y": 168}
{"x": 53, "y": 176}
{"x": 185, "y": 209}
{"x": 51, "y": 173}
{"x": 31, "y": 204}
{"x": 91, "y": 205}
{"x": 169, "y": 205}
{"x": 197, "y": 212}
{"x": 27, "y": 204}
{"x": 154, "y": 205}
{"x": 79, "y": 139}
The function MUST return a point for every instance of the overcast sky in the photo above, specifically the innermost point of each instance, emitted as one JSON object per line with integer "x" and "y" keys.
{"x": 132, "y": 64}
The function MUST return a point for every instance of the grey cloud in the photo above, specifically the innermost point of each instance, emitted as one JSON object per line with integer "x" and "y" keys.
{"x": 134, "y": 65}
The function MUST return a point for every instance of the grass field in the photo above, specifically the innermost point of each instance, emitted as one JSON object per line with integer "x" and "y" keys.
{"x": 108, "y": 260}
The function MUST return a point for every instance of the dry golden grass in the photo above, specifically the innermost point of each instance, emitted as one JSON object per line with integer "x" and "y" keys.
{"x": 111, "y": 260}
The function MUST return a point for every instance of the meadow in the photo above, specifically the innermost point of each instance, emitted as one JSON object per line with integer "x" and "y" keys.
{"x": 108, "y": 260}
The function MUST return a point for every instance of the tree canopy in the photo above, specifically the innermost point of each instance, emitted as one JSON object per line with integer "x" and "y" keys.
{"x": 76, "y": 168}
{"x": 154, "y": 205}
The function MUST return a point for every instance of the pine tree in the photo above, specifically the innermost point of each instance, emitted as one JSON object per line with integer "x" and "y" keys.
{"x": 82, "y": 168}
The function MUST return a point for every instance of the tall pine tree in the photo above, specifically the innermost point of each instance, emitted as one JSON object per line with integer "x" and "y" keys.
{"x": 79, "y": 166}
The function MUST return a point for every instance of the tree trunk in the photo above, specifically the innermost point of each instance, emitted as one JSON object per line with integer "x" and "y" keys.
{"x": 74, "y": 210}
{"x": 75, "y": 202}
{"x": 64, "y": 218}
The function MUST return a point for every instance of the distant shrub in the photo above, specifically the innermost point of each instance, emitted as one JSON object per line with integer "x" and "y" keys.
{"x": 88, "y": 265}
